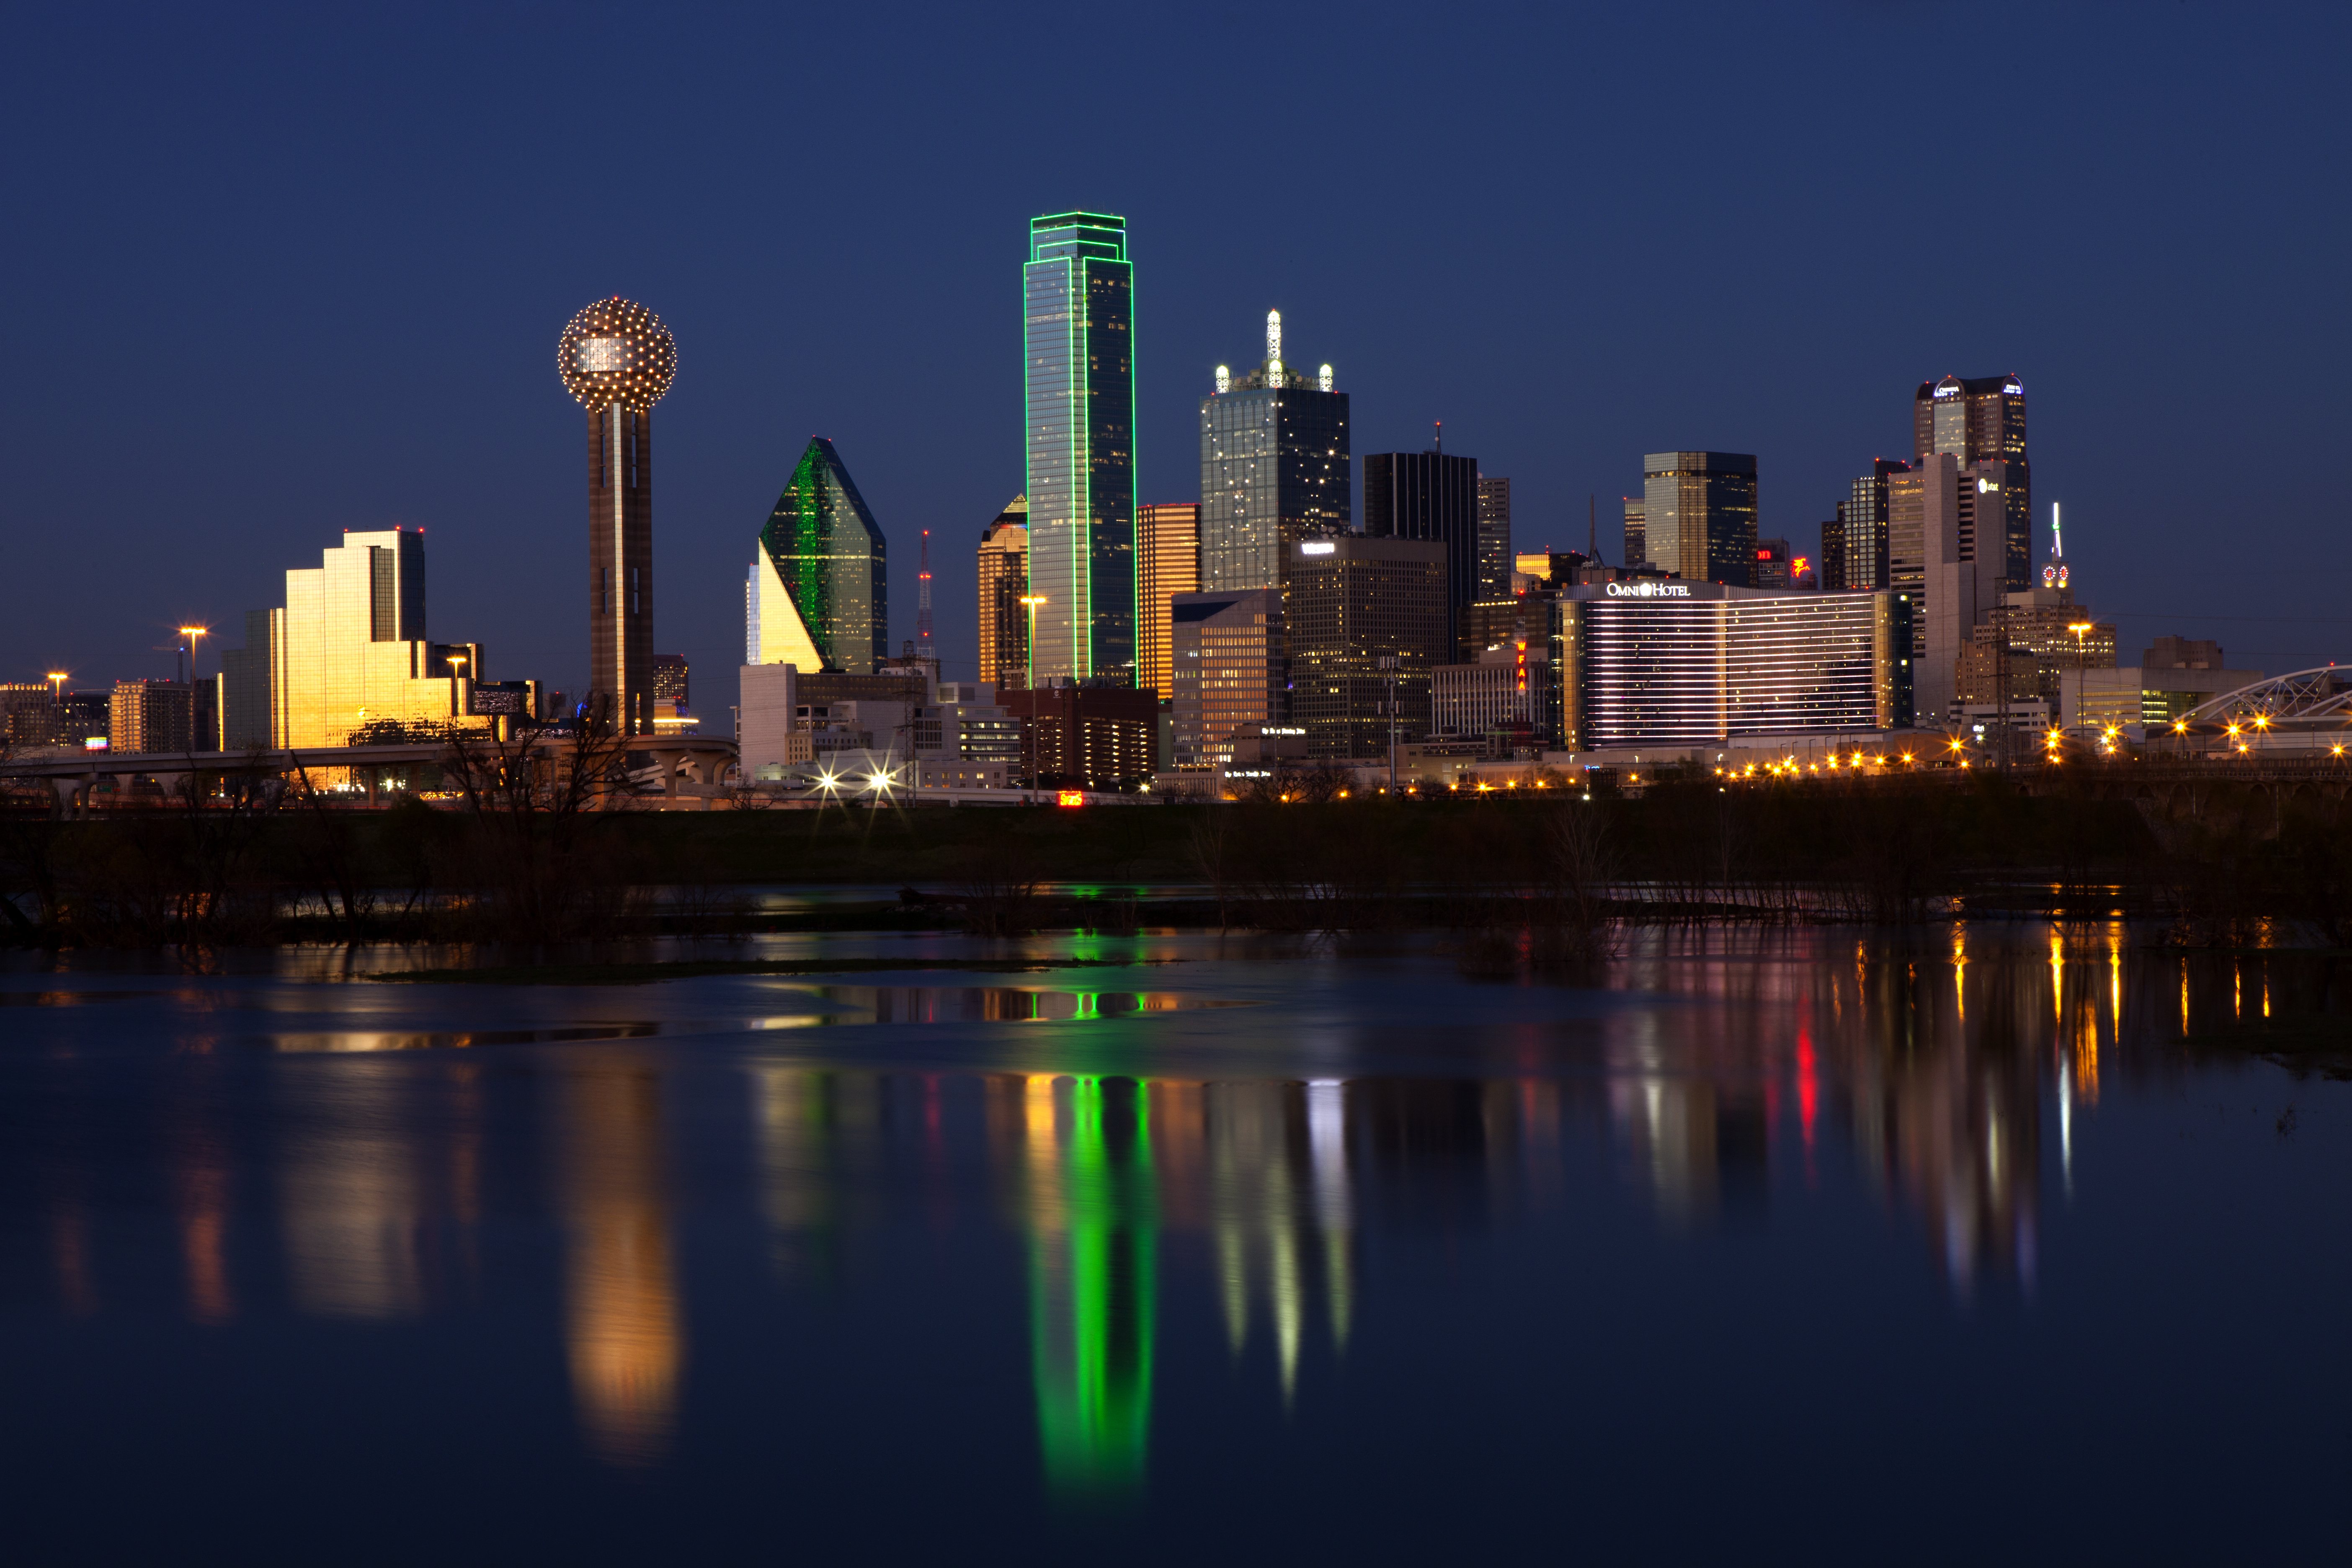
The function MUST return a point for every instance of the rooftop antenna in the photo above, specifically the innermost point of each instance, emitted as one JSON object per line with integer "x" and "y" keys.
{"x": 923, "y": 601}
{"x": 1441, "y": 436}
{"x": 1592, "y": 529}
{"x": 1273, "y": 336}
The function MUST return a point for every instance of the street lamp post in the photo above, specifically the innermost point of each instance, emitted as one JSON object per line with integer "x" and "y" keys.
{"x": 192, "y": 634}
{"x": 1029, "y": 731}
{"x": 1389, "y": 668}
{"x": 2080, "y": 629}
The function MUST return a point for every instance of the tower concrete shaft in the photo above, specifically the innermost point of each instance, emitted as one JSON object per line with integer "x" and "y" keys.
{"x": 620, "y": 568}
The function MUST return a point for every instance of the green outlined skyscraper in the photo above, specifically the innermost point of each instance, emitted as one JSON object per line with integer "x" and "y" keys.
{"x": 1078, "y": 403}
{"x": 818, "y": 591}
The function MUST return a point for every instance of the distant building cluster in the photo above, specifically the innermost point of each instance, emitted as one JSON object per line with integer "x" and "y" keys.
{"x": 1304, "y": 609}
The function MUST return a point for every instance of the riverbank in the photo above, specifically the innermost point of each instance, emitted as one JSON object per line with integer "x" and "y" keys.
{"x": 1686, "y": 853}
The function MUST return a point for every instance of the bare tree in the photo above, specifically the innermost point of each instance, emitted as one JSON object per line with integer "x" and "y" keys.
{"x": 531, "y": 796}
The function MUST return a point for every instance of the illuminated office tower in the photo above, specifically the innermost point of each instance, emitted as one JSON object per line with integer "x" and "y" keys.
{"x": 617, "y": 359}
{"x": 1981, "y": 422}
{"x": 1226, "y": 654}
{"x": 1430, "y": 496}
{"x": 1364, "y": 621}
{"x": 1699, "y": 515}
{"x": 1003, "y": 581}
{"x": 349, "y": 649}
{"x": 1862, "y": 519}
{"x": 671, "y": 676}
{"x": 152, "y": 716}
{"x": 1934, "y": 567}
{"x": 1167, "y": 563}
{"x": 1637, "y": 530}
{"x": 1274, "y": 468}
{"x": 1078, "y": 397}
{"x": 1494, "y": 538}
{"x": 817, "y": 596}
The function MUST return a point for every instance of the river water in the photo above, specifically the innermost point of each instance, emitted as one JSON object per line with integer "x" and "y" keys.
{"x": 1823, "y": 1242}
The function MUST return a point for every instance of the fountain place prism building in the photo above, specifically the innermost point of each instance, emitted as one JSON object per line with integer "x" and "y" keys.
{"x": 617, "y": 359}
{"x": 817, "y": 596}
{"x": 1078, "y": 404}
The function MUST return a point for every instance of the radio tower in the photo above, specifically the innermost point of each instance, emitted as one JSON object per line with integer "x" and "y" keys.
{"x": 923, "y": 602}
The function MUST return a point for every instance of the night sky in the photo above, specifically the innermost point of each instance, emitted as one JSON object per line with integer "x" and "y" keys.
{"x": 278, "y": 274}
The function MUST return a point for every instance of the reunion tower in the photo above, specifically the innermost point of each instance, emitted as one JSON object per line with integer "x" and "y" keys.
{"x": 617, "y": 359}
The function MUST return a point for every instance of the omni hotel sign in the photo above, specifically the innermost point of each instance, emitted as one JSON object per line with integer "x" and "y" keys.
{"x": 1649, "y": 590}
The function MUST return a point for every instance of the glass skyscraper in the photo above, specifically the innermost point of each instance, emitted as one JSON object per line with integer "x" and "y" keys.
{"x": 1078, "y": 401}
{"x": 818, "y": 597}
{"x": 1699, "y": 515}
{"x": 347, "y": 651}
{"x": 1274, "y": 468}
{"x": 1431, "y": 494}
{"x": 1980, "y": 421}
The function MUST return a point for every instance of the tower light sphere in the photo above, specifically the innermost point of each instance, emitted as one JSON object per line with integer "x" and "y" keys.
{"x": 616, "y": 350}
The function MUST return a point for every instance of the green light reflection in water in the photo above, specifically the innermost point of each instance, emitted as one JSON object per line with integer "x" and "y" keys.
{"x": 1094, "y": 1248}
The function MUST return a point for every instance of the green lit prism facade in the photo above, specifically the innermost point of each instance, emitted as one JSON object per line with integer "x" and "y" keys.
{"x": 818, "y": 594}
{"x": 1078, "y": 390}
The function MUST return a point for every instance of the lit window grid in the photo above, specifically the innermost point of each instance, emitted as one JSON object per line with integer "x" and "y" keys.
{"x": 1344, "y": 614}
{"x": 1054, "y": 333}
{"x": 1654, "y": 674}
{"x": 1168, "y": 549}
{"x": 1473, "y": 698}
{"x": 1003, "y": 619}
{"x": 1274, "y": 468}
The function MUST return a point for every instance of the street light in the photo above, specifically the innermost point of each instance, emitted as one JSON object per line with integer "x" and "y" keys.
{"x": 2080, "y": 629}
{"x": 1389, "y": 670}
{"x": 1029, "y": 731}
{"x": 192, "y": 634}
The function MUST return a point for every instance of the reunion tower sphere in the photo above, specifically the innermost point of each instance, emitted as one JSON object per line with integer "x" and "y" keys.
{"x": 616, "y": 350}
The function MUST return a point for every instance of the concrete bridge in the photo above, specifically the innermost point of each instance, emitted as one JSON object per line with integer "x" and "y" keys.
{"x": 688, "y": 770}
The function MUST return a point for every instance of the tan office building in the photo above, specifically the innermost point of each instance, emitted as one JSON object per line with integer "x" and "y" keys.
{"x": 1226, "y": 652}
{"x": 1004, "y": 580}
{"x": 1168, "y": 551}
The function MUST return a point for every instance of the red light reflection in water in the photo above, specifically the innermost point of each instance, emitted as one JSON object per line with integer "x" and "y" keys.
{"x": 1808, "y": 1084}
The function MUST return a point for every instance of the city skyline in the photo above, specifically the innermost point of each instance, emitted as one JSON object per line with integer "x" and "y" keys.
{"x": 1563, "y": 399}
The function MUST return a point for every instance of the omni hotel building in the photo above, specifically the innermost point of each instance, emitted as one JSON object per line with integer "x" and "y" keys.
{"x": 1659, "y": 664}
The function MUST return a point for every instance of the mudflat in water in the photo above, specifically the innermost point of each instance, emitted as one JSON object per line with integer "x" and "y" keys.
{"x": 1968, "y": 1244}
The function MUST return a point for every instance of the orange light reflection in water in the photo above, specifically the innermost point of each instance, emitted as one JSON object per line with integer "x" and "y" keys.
{"x": 622, "y": 1324}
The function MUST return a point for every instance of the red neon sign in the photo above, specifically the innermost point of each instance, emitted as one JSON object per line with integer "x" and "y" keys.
{"x": 1070, "y": 798}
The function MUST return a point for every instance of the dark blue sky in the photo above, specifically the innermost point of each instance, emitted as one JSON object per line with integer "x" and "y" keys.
{"x": 279, "y": 274}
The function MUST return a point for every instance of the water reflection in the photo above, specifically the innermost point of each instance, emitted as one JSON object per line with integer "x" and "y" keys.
{"x": 352, "y": 1196}
{"x": 1091, "y": 1209}
{"x": 200, "y": 1191}
{"x": 1160, "y": 1208}
{"x": 621, "y": 1319}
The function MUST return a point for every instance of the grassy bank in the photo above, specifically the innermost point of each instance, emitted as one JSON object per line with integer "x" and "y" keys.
{"x": 1880, "y": 850}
